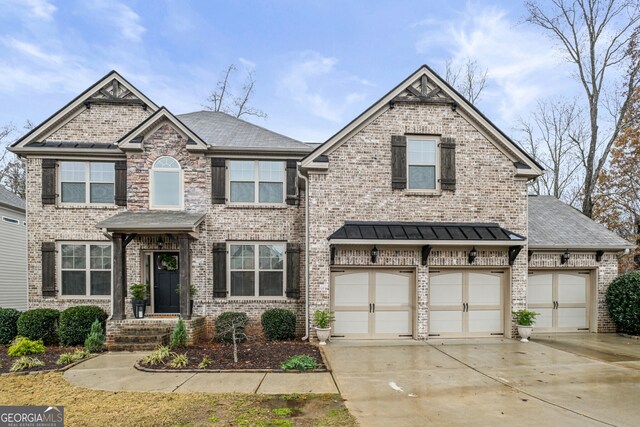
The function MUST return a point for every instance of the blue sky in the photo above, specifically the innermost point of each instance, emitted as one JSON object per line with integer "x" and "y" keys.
{"x": 318, "y": 64}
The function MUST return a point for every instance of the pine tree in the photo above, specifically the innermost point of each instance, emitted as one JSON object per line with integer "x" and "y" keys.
{"x": 95, "y": 342}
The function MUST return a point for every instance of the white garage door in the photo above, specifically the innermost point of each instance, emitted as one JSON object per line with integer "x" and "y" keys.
{"x": 372, "y": 303}
{"x": 561, "y": 298}
{"x": 465, "y": 303}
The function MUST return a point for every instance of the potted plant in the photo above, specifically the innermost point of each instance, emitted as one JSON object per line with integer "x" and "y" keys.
{"x": 323, "y": 320}
{"x": 525, "y": 320}
{"x": 192, "y": 293}
{"x": 138, "y": 299}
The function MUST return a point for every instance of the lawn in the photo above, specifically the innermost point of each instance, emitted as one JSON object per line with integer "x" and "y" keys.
{"x": 85, "y": 407}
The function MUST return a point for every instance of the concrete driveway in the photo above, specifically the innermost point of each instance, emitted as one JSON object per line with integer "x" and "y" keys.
{"x": 563, "y": 380}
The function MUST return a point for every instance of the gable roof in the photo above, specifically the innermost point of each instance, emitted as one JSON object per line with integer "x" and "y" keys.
{"x": 11, "y": 200}
{"x": 222, "y": 131}
{"x": 462, "y": 105}
{"x": 555, "y": 225}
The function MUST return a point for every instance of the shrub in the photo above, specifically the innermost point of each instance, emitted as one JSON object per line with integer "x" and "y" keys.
{"x": 279, "y": 324}
{"x": 157, "y": 357}
{"x": 75, "y": 323}
{"x": 25, "y": 362}
{"x": 623, "y": 301}
{"x": 8, "y": 325}
{"x": 204, "y": 363}
{"x": 300, "y": 363}
{"x": 179, "y": 360}
{"x": 95, "y": 342}
{"x": 66, "y": 358}
{"x": 39, "y": 323}
{"x": 179, "y": 335}
{"x": 223, "y": 331}
{"x": 23, "y": 346}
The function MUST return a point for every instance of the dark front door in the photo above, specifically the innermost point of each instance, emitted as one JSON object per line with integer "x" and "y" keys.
{"x": 166, "y": 281}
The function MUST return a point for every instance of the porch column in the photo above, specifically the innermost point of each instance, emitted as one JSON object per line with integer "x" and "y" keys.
{"x": 185, "y": 276}
{"x": 119, "y": 273}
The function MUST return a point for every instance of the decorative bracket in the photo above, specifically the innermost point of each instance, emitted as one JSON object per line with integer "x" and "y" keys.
{"x": 599, "y": 255}
{"x": 529, "y": 256}
{"x": 426, "y": 250}
{"x": 332, "y": 248}
{"x": 513, "y": 253}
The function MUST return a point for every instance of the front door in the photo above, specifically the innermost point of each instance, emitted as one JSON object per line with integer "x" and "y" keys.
{"x": 166, "y": 282}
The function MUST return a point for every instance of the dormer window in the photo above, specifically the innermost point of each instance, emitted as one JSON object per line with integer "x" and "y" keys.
{"x": 166, "y": 184}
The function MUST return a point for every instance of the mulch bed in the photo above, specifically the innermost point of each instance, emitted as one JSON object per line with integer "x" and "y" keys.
{"x": 49, "y": 357}
{"x": 251, "y": 355}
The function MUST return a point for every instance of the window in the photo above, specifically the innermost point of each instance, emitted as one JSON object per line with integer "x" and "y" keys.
{"x": 256, "y": 270}
{"x": 166, "y": 184}
{"x": 85, "y": 269}
{"x": 10, "y": 220}
{"x": 256, "y": 181}
{"x": 87, "y": 182}
{"x": 422, "y": 164}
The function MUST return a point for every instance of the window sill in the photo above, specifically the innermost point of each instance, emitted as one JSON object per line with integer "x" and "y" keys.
{"x": 257, "y": 205}
{"x": 86, "y": 297}
{"x": 87, "y": 206}
{"x": 254, "y": 299}
{"x": 423, "y": 192}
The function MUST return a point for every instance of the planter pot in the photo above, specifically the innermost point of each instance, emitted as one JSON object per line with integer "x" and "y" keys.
{"x": 139, "y": 307}
{"x": 524, "y": 332}
{"x": 323, "y": 335}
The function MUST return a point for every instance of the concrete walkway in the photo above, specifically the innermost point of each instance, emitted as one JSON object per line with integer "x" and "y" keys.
{"x": 491, "y": 381}
{"x": 115, "y": 372}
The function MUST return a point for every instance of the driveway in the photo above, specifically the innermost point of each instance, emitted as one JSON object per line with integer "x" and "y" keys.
{"x": 567, "y": 380}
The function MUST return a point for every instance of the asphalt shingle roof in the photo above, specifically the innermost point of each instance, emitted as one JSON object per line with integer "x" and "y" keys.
{"x": 222, "y": 130}
{"x": 553, "y": 223}
{"x": 7, "y": 198}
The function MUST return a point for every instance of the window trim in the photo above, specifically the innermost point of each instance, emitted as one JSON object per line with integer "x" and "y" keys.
{"x": 87, "y": 245}
{"x": 87, "y": 182}
{"x": 256, "y": 270}
{"x": 436, "y": 140}
{"x": 256, "y": 182}
{"x": 180, "y": 171}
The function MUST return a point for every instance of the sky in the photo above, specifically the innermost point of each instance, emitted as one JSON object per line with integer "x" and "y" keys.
{"x": 317, "y": 64}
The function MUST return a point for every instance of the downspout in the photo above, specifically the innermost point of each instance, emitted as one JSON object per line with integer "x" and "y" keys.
{"x": 306, "y": 254}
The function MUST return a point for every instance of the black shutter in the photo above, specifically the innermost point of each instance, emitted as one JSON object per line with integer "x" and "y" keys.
{"x": 448, "y": 164}
{"x": 293, "y": 270}
{"x": 48, "y": 269}
{"x": 219, "y": 270}
{"x": 121, "y": 183}
{"x": 398, "y": 161}
{"x": 292, "y": 182}
{"x": 218, "y": 174}
{"x": 49, "y": 182}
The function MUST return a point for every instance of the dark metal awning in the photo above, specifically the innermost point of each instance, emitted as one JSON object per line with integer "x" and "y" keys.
{"x": 152, "y": 222}
{"x": 421, "y": 233}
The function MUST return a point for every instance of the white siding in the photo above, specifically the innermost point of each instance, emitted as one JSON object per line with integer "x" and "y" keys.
{"x": 13, "y": 260}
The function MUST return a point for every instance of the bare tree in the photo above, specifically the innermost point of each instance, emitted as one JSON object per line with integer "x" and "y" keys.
{"x": 234, "y": 327}
{"x": 469, "y": 79}
{"x": 12, "y": 168}
{"x": 224, "y": 99}
{"x": 595, "y": 36}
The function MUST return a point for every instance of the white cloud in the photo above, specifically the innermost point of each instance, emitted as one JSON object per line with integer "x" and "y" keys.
{"x": 38, "y": 9}
{"x": 121, "y": 16}
{"x": 247, "y": 63}
{"x": 31, "y": 50}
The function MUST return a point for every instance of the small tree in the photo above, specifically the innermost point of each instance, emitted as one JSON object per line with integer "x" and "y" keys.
{"x": 95, "y": 342}
{"x": 235, "y": 326}
{"x": 179, "y": 336}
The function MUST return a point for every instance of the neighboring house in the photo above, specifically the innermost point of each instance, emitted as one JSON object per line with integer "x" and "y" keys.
{"x": 415, "y": 215}
{"x": 13, "y": 251}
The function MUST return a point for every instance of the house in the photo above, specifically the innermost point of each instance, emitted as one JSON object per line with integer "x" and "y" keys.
{"x": 413, "y": 221}
{"x": 13, "y": 251}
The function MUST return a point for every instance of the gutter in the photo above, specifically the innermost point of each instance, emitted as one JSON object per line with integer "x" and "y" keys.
{"x": 306, "y": 253}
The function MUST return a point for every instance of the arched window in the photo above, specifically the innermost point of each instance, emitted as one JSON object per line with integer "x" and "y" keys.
{"x": 166, "y": 184}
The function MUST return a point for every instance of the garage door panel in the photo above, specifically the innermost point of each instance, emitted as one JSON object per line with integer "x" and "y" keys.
{"x": 545, "y": 319}
{"x": 485, "y": 321}
{"x": 351, "y": 322}
{"x": 572, "y": 289}
{"x": 351, "y": 290}
{"x": 392, "y": 290}
{"x": 540, "y": 289}
{"x": 446, "y": 289}
{"x": 446, "y": 321}
{"x": 573, "y": 318}
{"x": 484, "y": 289}
{"x": 393, "y": 322}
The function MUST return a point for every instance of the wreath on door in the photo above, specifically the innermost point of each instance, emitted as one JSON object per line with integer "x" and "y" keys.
{"x": 167, "y": 262}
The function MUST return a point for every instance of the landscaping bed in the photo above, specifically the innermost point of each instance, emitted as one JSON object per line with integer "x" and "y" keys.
{"x": 49, "y": 358}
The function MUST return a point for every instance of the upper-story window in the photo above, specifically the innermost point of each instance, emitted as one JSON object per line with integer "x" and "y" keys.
{"x": 166, "y": 184}
{"x": 87, "y": 182}
{"x": 422, "y": 164}
{"x": 256, "y": 181}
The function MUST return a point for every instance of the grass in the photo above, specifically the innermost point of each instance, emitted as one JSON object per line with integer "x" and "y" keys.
{"x": 84, "y": 407}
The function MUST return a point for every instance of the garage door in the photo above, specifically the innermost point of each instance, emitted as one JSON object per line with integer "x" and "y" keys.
{"x": 561, "y": 298}
{"x": 466, "y": 303}
{"x": 372, "y": 303}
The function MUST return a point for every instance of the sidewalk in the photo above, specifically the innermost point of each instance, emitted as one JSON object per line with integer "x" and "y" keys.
{"x": 115, "y": 372}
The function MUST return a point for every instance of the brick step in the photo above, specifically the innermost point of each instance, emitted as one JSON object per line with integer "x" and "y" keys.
{"x": 140, "y": 339}
{"x": 132, "y": 347}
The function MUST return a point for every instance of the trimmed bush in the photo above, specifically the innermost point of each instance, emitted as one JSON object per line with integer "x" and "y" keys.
{"x": 623, "y": 301}
{"x": 95, "y": 342}
{"x": 39, "y": 324}
{"x": 24, "y": 346}
{"x": 179, "y": 335}
{"x": 75, "y": 323}
{"x": 8, "y": 325}
{"x": 279, "y": 324}
{"x": 223, "y": 331}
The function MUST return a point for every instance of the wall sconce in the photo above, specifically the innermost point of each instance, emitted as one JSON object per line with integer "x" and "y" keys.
{"x": 473, "y": 253}
{"x": 374, "y": 255}
{"x": 564, "y": 258}
{"x": 160, "y": 243}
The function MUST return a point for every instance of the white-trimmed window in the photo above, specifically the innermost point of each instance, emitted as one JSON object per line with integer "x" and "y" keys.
{"x": 256, "y": 269}
{"x": 166, "y": 184}
{"x": 85, "y": 269}
{"x": 422, "y": 164}
{"x": 256, "y": 181}
{"x": 87, "y": 182}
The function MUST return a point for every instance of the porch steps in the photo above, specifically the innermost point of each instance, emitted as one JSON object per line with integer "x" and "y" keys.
{"x": 139, "y": 337}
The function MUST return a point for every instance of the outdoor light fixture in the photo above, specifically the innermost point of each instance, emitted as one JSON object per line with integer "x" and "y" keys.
{"x": 160, "y": 243}
{"x": 565, "y": 257}
{"x": 473, "y": 253}
{"x": 374, "y": 255}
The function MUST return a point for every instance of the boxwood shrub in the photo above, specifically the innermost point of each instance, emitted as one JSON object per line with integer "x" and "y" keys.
{"x": 222, "y": 331}
{"x": 8, "y": 325}
{"x": 278, "y": 324}
{"x": 39, "y": 324}
{"x": 75, "y": 323}
{"x": 623, "y": 302}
